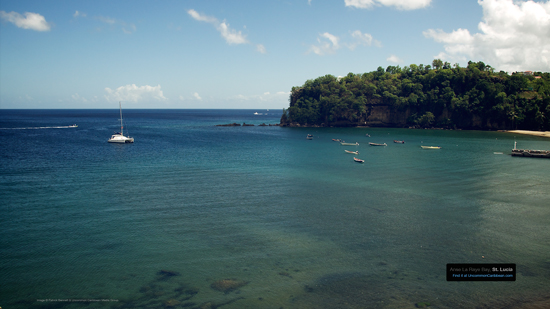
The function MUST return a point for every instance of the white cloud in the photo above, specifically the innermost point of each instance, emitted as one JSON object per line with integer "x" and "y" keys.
{"x": 362, "y": 39}
{"x": 360, "y": 4}
{"x": 125, "y": 27}
{"x": 133, "y": 93}
{"x": 128, "y": 29}
{"x": 107, "y": 20}
{"x": 325, "y": 47}
{"x": 32, "y": 21}
{"x": 332, "y": 38}
{"x": 394, "y": 59}
{"x": 231, "y": 36}
{"x": 513, "y": 35}
{"x": 199, "y": 17}
{"x": 265, "y": 97}
{"x": 77, "y": 14}
{"x": 329, "y": 43}
{"x": 197, "y": 96}
{"x": 77, "y": 97}
{"x": 260, "y": 48}
{"x": 398, "y": 4}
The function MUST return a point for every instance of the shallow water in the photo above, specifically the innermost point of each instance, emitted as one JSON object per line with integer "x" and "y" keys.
{"x": 296, "y": 222}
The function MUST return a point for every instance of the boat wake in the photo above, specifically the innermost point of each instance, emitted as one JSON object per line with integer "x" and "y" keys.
{"x": 37, "y": 128}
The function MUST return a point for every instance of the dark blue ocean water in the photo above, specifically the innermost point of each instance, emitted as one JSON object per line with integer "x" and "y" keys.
{"x": 290, "y": 222}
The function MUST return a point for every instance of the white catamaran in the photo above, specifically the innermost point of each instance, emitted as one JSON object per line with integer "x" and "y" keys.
{"x": 119, "y": 136}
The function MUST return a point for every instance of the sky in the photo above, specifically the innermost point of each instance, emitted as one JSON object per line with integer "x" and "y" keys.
{"x": 244, "y": 54}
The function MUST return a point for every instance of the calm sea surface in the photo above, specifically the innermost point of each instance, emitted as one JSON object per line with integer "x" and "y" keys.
{"x": 198, "y": 216}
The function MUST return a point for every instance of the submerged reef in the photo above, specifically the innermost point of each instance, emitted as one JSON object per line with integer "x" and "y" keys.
{"x": 228, "y": 285}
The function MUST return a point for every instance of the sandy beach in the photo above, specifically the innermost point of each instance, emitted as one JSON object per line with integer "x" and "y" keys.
{"x": 535, "y": 133}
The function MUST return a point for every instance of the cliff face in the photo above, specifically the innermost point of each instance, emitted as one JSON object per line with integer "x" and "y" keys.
{"x": 375, "y": 116}
{"x": 380, "y": 115}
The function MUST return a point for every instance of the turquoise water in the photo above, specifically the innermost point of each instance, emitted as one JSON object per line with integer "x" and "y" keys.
{"x": 294, "y": 223}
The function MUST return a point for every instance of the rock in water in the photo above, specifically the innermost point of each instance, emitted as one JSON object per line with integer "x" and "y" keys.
{"x": 168, "y": 273}
{"x": 171, "y": 303}
{"x": 164, "y": 275}
{"x": 227, "y": 285}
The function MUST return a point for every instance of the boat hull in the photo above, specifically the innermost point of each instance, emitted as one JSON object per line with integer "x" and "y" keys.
{"x": 531, "y": 153}
{"x": 430, "y": 147}
{"x": 119, "y": 139}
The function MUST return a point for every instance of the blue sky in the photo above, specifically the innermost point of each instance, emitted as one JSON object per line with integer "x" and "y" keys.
{"x": 244, "y": 54}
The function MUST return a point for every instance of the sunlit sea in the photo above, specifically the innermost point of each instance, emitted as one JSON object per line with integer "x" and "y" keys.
{"x": 194, "y": 215}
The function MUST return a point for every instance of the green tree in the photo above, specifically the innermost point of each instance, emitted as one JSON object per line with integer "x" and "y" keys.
{"x": 437, "y": 64}
{"x": 426, "y": 120}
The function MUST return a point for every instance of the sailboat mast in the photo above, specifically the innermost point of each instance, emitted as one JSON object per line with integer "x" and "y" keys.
{"x": 121, "y": 127}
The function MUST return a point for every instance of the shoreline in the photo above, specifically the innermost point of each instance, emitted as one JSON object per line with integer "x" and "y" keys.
{"x": 523, "y": 132}
{"x": 526, "y": 132}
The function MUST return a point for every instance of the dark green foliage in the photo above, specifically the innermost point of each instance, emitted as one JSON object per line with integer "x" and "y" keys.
{"x": 417, "y": 95}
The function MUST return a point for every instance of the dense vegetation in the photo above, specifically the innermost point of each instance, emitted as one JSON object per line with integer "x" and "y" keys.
{"x": 437, "y": 95}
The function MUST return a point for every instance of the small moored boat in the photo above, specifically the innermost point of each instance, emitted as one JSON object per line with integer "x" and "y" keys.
{"x": 354, "y": 152}
{"x": 376, "y": 144}
{"x": 430, "y": 147}
{"x": 358, "y": 160}
{"x": 336, "y": 140}
{"x": 350, "y": 144}
{"x": 399, "y": 142}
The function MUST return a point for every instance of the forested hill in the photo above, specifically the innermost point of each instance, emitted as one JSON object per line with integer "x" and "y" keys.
{"x": 437, "y": 95}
